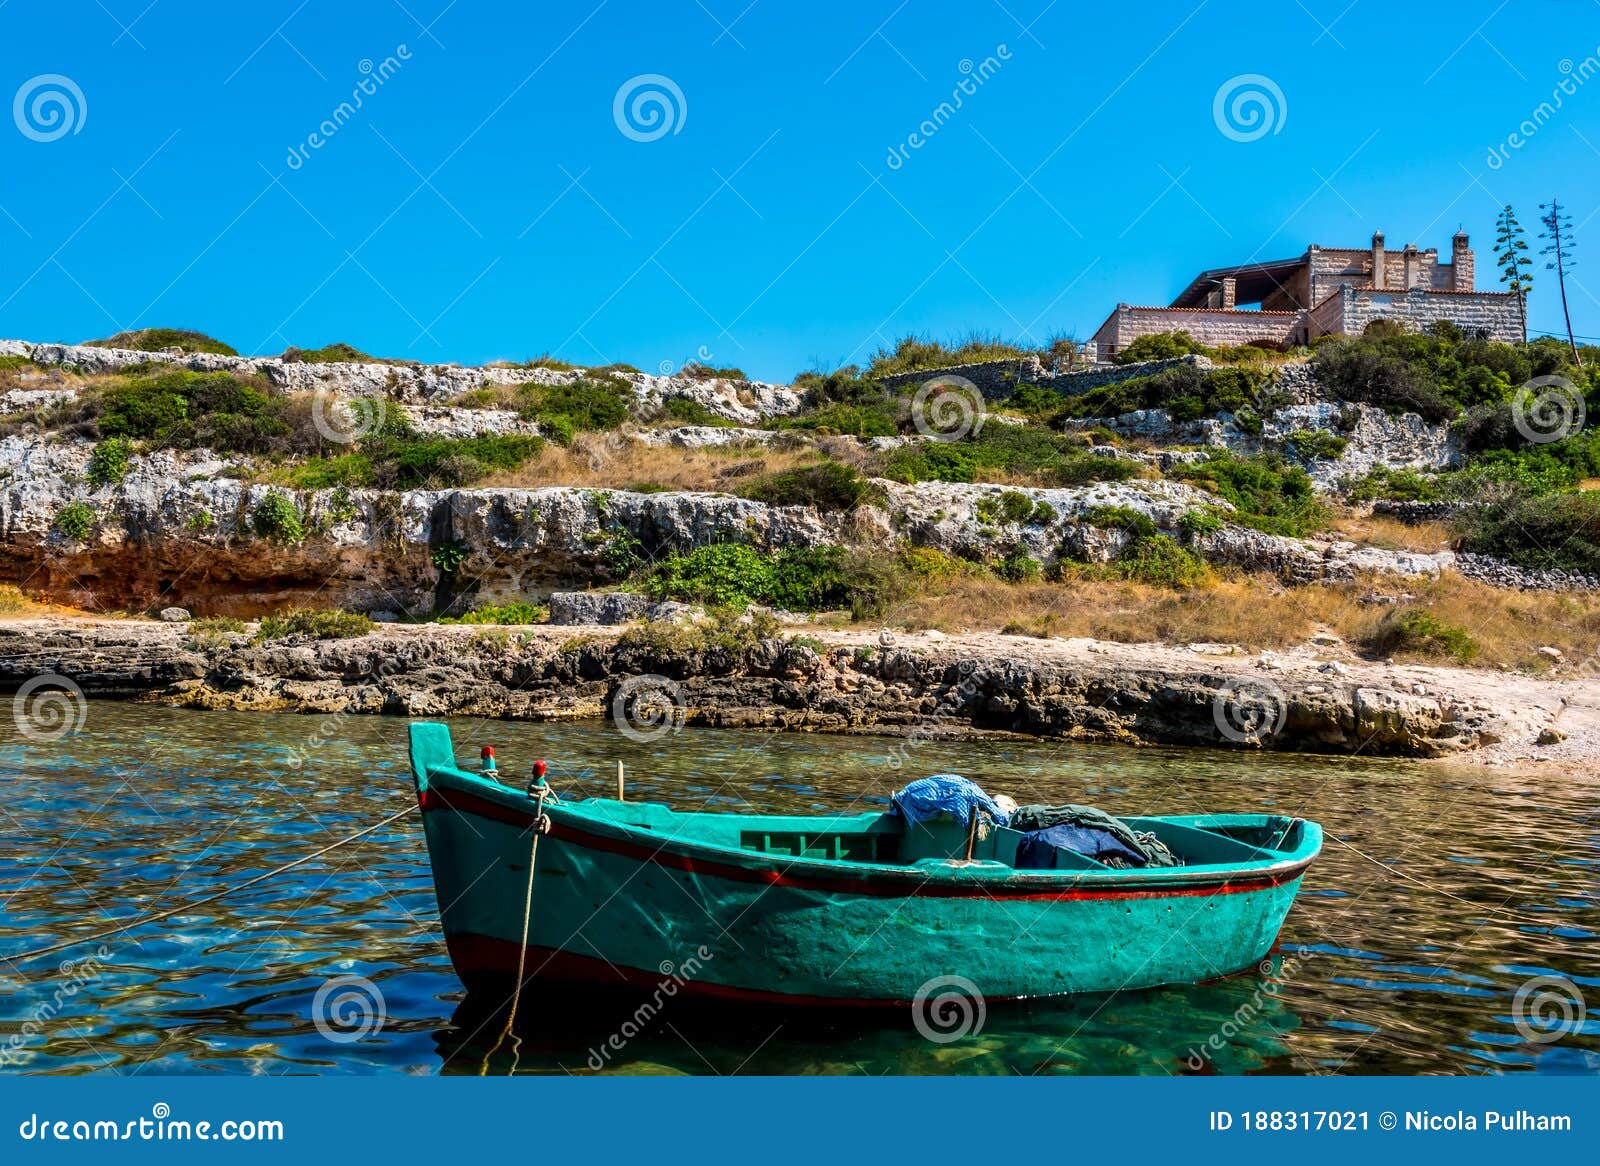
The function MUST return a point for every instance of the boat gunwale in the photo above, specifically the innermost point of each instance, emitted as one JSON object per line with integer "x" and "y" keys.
{"x": 929, "y": 877}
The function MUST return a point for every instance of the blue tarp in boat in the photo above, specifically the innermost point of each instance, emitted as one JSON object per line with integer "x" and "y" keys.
{"x": 946, "y": 793}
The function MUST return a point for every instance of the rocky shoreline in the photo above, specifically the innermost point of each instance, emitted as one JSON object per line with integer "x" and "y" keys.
{"x": 915, "y": 686}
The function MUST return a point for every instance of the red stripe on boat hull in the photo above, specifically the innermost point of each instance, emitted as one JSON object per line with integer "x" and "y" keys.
{"x": 434, "y": 799}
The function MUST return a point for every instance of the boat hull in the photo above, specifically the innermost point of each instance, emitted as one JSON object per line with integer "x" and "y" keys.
{"x": 618, "y": 906}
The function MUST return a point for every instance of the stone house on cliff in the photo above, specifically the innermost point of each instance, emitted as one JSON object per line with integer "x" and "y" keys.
{"x": 1327, "y": 290}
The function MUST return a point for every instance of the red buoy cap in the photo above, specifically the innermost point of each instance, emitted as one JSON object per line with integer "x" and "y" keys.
{"x": 540, "y": 768}
{"x": 488, "y": 751}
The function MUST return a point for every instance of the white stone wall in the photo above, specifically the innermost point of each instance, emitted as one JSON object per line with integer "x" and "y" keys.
{"x": 1492, "y": 312}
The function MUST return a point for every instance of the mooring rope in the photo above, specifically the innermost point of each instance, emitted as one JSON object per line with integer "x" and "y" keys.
{"x": 539, "y": 826}
{"x": 192, "y": 904}
{"x": 1427, "y": 886}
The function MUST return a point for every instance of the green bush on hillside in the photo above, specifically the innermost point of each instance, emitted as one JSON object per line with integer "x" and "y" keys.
{"x": 1002, "y": 450}
{"x": 157, "y": 339}
{"x": 1268, "y": 493}
{"x": 108, "y": 463}
{"x": 826, "y": 485}
{"x": 596, "y": 401}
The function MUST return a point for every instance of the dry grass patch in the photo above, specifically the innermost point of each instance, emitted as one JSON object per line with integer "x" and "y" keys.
{"x": 1458, "y": 618}
{"x": 1393, "y": 535}
{"x": 613, "y": 461}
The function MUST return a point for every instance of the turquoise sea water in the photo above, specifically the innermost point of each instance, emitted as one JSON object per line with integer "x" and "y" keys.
{"x": 338, "y": 966}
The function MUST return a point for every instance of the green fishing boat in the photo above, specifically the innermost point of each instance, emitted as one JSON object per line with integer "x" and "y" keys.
{"x": 851, "y": 910}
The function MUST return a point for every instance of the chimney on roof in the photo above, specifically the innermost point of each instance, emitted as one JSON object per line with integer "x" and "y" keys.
{"x": 1377, "y": 259}
{"x": 1462, "y": 263}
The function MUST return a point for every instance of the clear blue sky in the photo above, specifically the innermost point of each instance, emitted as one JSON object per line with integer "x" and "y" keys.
{"x": 484, "y": 204}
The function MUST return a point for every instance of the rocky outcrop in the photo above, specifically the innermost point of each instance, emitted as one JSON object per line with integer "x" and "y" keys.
{"x": 743, "y": 402}
{"x": 1315, "y": 560}
{"x": 1072, "y": 690}
{"x": 178, "y": 529}
{"x": 1373, "y": 439}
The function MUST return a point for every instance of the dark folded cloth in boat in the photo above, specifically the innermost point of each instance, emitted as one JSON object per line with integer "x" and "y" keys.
{"x": 1088, "y": 831}
{"x": 946, "y": 793}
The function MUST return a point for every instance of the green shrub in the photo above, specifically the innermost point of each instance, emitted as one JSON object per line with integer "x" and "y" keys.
{"x": 1415, "y": 630}
{"x": 108, "y": 464}
{"x": 331, "y": 354}
{"x": 704, "y": 372}
{"x": 218, "y": 625}
{"x": 448, "y": 557}
{"x": 1160, "y": 346}
{"x": 1314, "y": 444}
{"x": 156, "y": 339}
{"x": 723, "y": 574}
{"x": 919, "y": 354}
{"x": 928, "y": 563}
{"x": 597, "y": 400}
{"x": 350, "y": 470}
{"x": 514, "y": 614}
{"x": 1051, "y": 458}
{"x": 1015, "y": 506}
{"x": 801, "y": 579}
{"x": 75, "y": 520}
{"x": 848, "y": 420}
{"x": 826, "y": 485}
{"x": 1195, "y": 523}
{"x": 1267, "y": 493}
{"x": 1046, "y": 405}
{"x": 1159, "y": 561}
{"x": 1187, "y": 392}
{"x": 1018, "y": 567}
{"x": 1398, "y": 485}
{"x": 320, "y": 625}
{"x": 1123, "y": 518}
{"x": 411, "y": 462}
{"x": 1556, "y": 531}
{"x": 692, "y": 412}
{"x": 277, "y": 518}
{"x": 187, "y": 410}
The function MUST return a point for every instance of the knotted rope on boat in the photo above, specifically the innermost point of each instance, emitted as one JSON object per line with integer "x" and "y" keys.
{"x": 541, "y": 825}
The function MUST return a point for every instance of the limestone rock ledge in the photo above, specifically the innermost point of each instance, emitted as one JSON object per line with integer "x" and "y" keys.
{"x": 920, "y": 687}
